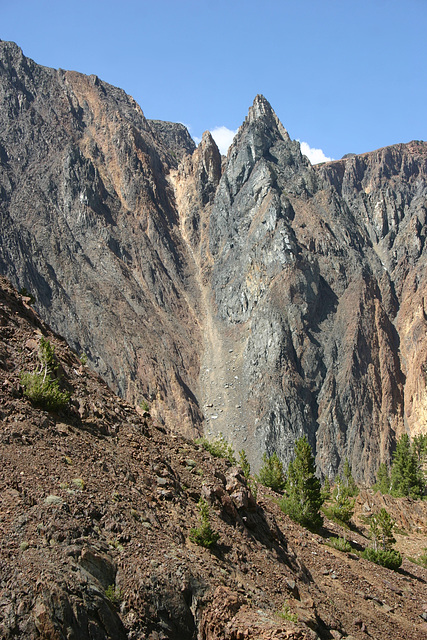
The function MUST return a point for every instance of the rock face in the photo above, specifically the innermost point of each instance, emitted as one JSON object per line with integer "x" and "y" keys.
{"x": 254, "y": 295}
{"x": 97, "y": 504}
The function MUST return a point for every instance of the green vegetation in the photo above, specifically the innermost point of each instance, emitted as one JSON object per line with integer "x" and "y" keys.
{"x": 271, "y": 473}
{"x": 421, "y": 560}
{"x": 326, "y": 490}
{"x": 79, "y": 483}
{"x": 406, "y": 477}
{"x": 41, "y": 387}
{"x": 381, "y": 531}
{"x": 339, "y": 543}
{"x": 351, "y": 487}
{"x": 286, "y": 613}
{"x": 340, "y": 508}
{"x": 391, "y": 558}
{"x": 383, "y": 479}
{"x": 244, "y": 463}
{"x": 145, "y": 406}
{"x": 303, "y": 497}
{"x": 246, "y": 468}
{"x": 114, "y": 594}
{"x": 219, "y": 448}
{"x": 204, "y": 535}
{"x": 83, "y": 359}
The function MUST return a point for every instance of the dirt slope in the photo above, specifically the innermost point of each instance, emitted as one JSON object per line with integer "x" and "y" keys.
{"x": 99, "y": 499}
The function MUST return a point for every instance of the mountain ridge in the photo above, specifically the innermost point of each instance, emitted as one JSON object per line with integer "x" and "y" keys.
{"x": 255, "y": 294}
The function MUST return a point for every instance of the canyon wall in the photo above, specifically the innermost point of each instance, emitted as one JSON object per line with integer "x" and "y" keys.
{"x": 253, "y": 295}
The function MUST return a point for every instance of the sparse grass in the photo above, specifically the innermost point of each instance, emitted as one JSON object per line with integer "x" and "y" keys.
{"x": 218, "y": 447}
{"x": 287, "y": 614}
{"x": 79, "y": 483}
{"x": 421, "y": 560}
{"x": 53, "y": 500}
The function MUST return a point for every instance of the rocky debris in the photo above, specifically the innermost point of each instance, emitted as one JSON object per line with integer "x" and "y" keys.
{"x": 96, "y": 510}
{"x": 254, "y": 295}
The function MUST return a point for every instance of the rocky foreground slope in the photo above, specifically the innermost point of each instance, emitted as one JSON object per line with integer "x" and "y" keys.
{"x": 254, "y": 295}
{"x": 96, "y": 507}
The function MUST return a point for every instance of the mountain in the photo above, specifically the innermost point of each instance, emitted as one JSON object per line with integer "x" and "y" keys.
{"x": 97, "y": 505}
{"x": 254, "y": 295}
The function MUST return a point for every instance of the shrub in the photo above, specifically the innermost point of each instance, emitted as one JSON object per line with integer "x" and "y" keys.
{"x": 341, "y": 507}
{"x": 349, "y": 482}
{"x": 145, "y": 406}
{"x": 114, "y": 594}
{"x": 44, "y": 392}
{"x": 204, "y": 535}
{"x": 389, "y": 558}
{"x": 40, "y": 386}
{"x": 326, "y": 490}
{"x": 246, "y": 468}
{"x": 271, "y": 473}
{"x": 303, "y": 497}
{"x": 382, "y": 552}
{"x": 219, "y": 448}
{"x": 381, "y": 530}
{"x": 339, "y": 543}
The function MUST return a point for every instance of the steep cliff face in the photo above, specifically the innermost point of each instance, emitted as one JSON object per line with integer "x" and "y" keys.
{"x": 88, "y": 226}
{"x": 254, "y": 295}
{"x": 300, "y": 335}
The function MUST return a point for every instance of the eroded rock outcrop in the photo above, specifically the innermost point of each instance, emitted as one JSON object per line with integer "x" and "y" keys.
{"x": 254, "y": 295}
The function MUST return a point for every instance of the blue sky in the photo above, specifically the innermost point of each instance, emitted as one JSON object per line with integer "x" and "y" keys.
{"x": 342, "y": 75}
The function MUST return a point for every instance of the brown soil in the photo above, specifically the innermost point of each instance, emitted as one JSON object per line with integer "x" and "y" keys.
{"x": 99, "y": 499}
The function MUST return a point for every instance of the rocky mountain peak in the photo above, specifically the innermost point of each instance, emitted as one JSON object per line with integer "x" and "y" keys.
{"x": 210, "y": 158}
{"x": 256, "y": 295}
{"x": 261, "y": 111}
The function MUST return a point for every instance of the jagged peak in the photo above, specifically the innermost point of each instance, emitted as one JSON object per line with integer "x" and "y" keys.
{"x": 207, "y": 139}
{"x": 260, "y": 108}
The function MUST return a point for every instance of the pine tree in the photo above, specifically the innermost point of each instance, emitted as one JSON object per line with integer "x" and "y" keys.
{"x": 381, "y": 528}
{"x": 405, "y": 476}
{"x": 244, "y": 463}
{"x": 342, "y": 507}
{"x": 351, "y": 486}
{"x": 383, "y": 479}
{"x": 303, "y": 498}
{"x": 382, "y": 552}
{"x": 271, "y": 473}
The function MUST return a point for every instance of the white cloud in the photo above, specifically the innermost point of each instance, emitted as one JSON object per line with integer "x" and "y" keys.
{"x": 314, "y": 155}
{"x": 223, "y": 137}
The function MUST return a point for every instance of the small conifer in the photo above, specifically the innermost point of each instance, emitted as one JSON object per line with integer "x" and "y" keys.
{"x": 303, "y": 496}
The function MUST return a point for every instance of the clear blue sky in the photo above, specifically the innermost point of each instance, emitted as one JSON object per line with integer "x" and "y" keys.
{"x": 342, "y": 75}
